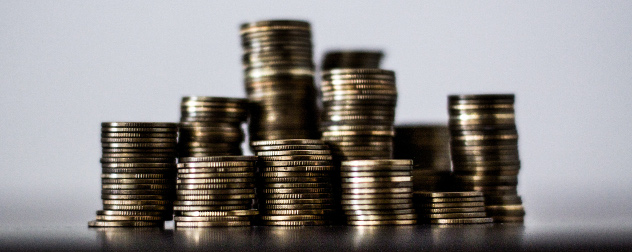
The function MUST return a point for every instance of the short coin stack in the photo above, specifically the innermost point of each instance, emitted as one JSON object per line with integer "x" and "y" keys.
{"x": 215, "y": 191}
{"x": 451, "y": 207}
{"x": 352, "y": 59}
{"x": 358, "y": 113}
{"x": 211, "y": 126}
{"x": 279, "y": 79}
{"x": 377, "y": 192}
{"x": 428, "y": 145}
{"x": 138, "y": 174}
{"x": 295, "y": 182}
{"x": 484, "y": 149}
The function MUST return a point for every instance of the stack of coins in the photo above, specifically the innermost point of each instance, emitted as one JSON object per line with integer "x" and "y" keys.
{"x": 428, "y": 145}
{"x": 295, "y": 182}
{"x": 358, "y": 113}
{"x": 352, "y": 59}
{"x": 211, "y": 126}
{"x": 451, "y": 207}
{"x": 484, "y": 149}
{"x": 138, "y": 174}
{"x": 215, "y": 191}
{"x": 377, "y": 192}
{"x": 279, "y": 80}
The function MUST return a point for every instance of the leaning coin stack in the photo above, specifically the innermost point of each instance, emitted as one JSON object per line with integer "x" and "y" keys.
{"x": 279, "y": 80}
{"x": 428, "y": 145}
{"x": 138, "y": 174}
{"x": 377, "y": 192}
{"x": 451, "y": 207}
{"x": 215, "y": 191}
{"x": 358, "y": 113}
{"x": 352, "y": 59}
{"x": 211, "y": 126}
{"x": 295, "y": 182}
{"x": 484, "y": 148}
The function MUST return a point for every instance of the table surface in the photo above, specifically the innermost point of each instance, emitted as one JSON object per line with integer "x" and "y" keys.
{"x": 573, "y": 236}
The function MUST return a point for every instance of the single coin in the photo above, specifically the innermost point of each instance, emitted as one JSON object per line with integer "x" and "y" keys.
{"x": 462, "y": 221}
{"x": 136, "y": 181}
{"x": 287, "y": 142}
{"x": 293, "y": 152}
{"x": 382, "y": 168}
{"x": 135, "y": 197}
{"x": 216, "y": 180}
{"x": 323, "y": 168}
{"x": 223, "y": 164}
{"x": 139, "y": 145}
{"x": 376, "y": 179}
{"x": 296, "y": 201}
{"x": 450, "y": 210}
{"x": 137, "y": 175}
{"x": 376, "y": 201}
{"x": 216, "y": 197}
{"x": 264, "y": 207}
{"x": 297, "y": 185}
{"x": 296, "y": 180}
{"x": 215, "y": 186}
{"x": 211, "y": 202}
{"x": 453, "y": 215}
{"x": 211, "y": 208}
{"x": 296, "y": 163}
{"x": 449, "y": 194}
{"x": 210, "y": 218}
{"x": 139, "y": 150}
{"x": 219, "y": 159}
{"x": 505, "y": 208}
{"x": 292, "y": 217}
{"x": 218, "y": 213}
{"x": 216, "y": 175}
{"x": 137, "y": 192}
{"x": 138, "y": 160}
{"x": 296, "y": 158}
{"x": 377, "y": 190}
{"x": 131, "y": 213}
{"x": 138, "y": 135}
{"x": 128, "y": 218}
{"x": 345, "y": 174}
{"x": 99, "y": 223}
{"x": 291, "y": 147}
{"x": 380, "y": 212}
{"x": 137, "y": 207}
{"x": 139, "y": 155}
{"x": 377, "y": 196}
{"x": 298, "y": 212}
{"x": 138, "y": 130}
{"x": 181, "y": 224}
{"x": 138, "y": 140}
{"x": 136, "y": 202}
{"x": 168, "y": 186}
{"x": 139, "y": 165}
{"x": 295, "y": 195}
{"x": 296, "y": 190}
{"x": 382, "y": 217}
{"x": 216, "y": 191}
{"x": 248, "y": 169}
{"x": 451, "y": 204}
{"x": 139, "y": 124}
{"x": 377, "y": 185}
{"x": 380, "y": 222}
{"x": 377, "y": 207}
{"x": 446, "y": 200}
{"x": 295, "y": 223}
{"x": 293, "y": 174}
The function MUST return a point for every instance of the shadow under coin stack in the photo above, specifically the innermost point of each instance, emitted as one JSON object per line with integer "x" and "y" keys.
{"x": 484, "y": 149}
{"x": 211, "y": 126}
{"x": 358, "y": 113}
{"x": 138, "y": 174}
{"x": 215, "y": 191}
{"x": 279, "y": 80}
{"x": 428, "y": 145}
{"x": 295, "y": 182}
{"x": 451, "y": 207}
{"x": 352, "y": 59}
{"x": 377, "y": 192}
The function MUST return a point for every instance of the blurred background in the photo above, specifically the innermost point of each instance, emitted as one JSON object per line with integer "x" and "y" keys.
{"x": 66, "y": 66}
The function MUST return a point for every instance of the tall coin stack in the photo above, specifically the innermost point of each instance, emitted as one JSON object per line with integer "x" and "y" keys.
{"x": 451, "y": 207}
{"x": 428, "y": 145}
{"x": 352, "y": 59}
{"x": 295, "y": 182}
{"x": 358, "y": 113}
{"x": 279, "y": 80}
{"x": 211, "y": 126}
{"x": 377, "y": 192}
{"x": 215, "y": 191}
{"x": 484, "y": 148}
{"x": 138, "y": 174}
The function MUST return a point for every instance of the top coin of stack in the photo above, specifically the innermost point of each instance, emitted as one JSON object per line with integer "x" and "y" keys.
{"x": 484, "y": 149}
{"x": 138, "y": 174}
{"x": 428, "y": 145}
{"x": 358, "y": 113}
{"x": 211, "y": 126}
{"x": 215, "y": 191}
{"x": 295, "y": 182}
{"x": 352, "y": 59}
{"x": 279, "y": 79}
{"x": 377, "y": 192}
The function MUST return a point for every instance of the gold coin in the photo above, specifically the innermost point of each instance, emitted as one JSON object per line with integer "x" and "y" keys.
{"x": 450, "y": 210}
{"x": 140, "y": 124}
{"x": 377, "y": 190}
{"x": 138, "y": 130}
{"x": 291, "y": 147}
{"x": 131, "y": 213}
{"x": 296, "y": 201}
{"x": 505, "y": 208}
{"x": 377, "y": 185}
{"x": 137, "y": 145}
{"x": 100, "y": 223}
{"x": 293, "y": 152}
{"x": 136, "y": 192}
{"x": 452, "y": 204}
{"x": 137, "y": 181}
{"x": 298, "y": 212}
{"x": 215, "y": 186}
{"x": 215, "y": 191}
{"x": 449, "y": 194}
{"x": 139, "y": 165}
{"x": 137, "y": 207}
{"x": 216, "y": 175}
{"x": 136, "y": 202}
{"x": 211, "y": 202}
{"x": 293, "y": 174}
{"x": 296, "y": 185}
{"x": 295, "y": 223}
{"x": 138, "y": 140}
{"x": 291, "y": 217}
{"x": 382, "y": 217}
{"x": 216, "y": 180}
{"x": 216, "y": 170}
{"x": 296, "y": 180}
{"x": 139, "y": 155}
{"x": 219, "y": 159}
{"x": 381, "y": 168}
{"x": 295, "y": 163}
{"x": 377, "y": 179}
{"x": 135, "y": 197}
{"x": 136, "y": 176}
{"x": 216, "y": 197}
{"x": 138, "y": 135}
{"x": 375, "y": 174}
{"x": 210, "y": 218}
{"x": 211, "y": 208}
{"x": 462, "y": 221}
{"x": 129, "y": 218}
{"x": 376, "y": 207}
{"x": 301, "y": 206}
{"x": 376, "y": 201}
{"x": 164, "y": 171}
{"x": 380, "y": 212}
{"x": 377, "y": 196}
{"x": 453, "y": 215}
{"x": 287, "y": 142}
{"x": 218, "y": 213}
{"x": 296, "y": 195}
{"x": 296, "y": 158}
{"x": 138, "y": 186}
{"x": 446, "y": 200}
{"x": 381, "y": 162}
{"x": 380, "y": 222}
{"x": 180, "y": 224}
{"x": 218, "y": 164}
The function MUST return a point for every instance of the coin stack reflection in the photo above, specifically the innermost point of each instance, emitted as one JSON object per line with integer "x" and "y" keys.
{"x": 211, "y": 126}
{"x": 351, "y": 59}
{"x": 377, "y": 192}
{"x": 358, "y": 113}
{"x": 138, "y": 174}
{"x": 428, "y": 145}
{"x": 484, "y": 150}
{"x": 295, "y": 182}
{"x": 279, "y": 79}
{"x": 451, "y": 207}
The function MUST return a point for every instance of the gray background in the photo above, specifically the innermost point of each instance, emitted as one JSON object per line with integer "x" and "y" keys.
{"x": 66, "y": 66}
